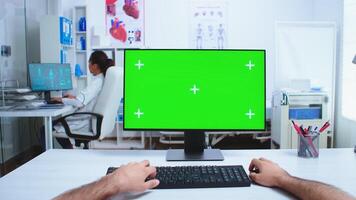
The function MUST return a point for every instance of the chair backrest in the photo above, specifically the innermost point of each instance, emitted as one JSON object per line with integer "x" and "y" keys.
{"x": 108, "y": 100}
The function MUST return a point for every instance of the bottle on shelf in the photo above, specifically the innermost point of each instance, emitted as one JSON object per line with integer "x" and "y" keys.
{"x": 82, "y": 24}
{"x": 78, "y": 71}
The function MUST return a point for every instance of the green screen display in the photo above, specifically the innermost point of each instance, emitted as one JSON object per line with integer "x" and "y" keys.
{"x": 194, "y": 90}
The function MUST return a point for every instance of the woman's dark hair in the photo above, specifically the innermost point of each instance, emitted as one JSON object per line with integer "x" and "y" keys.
{"x": 102, "y": 60}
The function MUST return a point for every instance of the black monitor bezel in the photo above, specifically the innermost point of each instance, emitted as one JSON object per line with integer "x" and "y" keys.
{"x": 63, "y": 64}
{"x": 188, "y": 130}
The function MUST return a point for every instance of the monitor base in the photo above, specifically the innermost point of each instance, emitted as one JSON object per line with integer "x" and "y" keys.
{"x": 207, "y": 155}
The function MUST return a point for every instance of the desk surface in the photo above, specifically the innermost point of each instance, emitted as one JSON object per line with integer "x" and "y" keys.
{"x": 56, "y": 171}
{"x": 37, "y": 112}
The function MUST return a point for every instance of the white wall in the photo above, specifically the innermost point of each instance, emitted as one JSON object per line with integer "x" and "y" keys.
{"x": 251, "y": 24}
{"x": 68, "y": 5}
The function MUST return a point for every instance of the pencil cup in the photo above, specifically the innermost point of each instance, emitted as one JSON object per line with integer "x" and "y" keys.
{"x": 308, "y": 146}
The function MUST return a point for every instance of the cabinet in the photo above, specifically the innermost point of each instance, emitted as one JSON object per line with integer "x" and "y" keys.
{"x": 305, "y": 108}
{"x": 56, "y": 39}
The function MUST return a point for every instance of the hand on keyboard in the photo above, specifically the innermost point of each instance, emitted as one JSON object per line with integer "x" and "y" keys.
{"x": 266, "y": 172}
{"x": 55, "y": 100}
{"x": 132, "y": 177}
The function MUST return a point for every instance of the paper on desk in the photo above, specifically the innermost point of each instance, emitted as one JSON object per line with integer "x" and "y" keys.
{"x": 23, "y": 90}
{"x": 29, "y": 97}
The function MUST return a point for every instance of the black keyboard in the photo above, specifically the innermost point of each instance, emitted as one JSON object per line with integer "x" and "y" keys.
{"x": 200, "y": 177}
{"x": 51, "y": 106}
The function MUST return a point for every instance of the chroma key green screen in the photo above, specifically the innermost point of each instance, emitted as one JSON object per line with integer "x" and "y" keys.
{"x": 177, "y": 89}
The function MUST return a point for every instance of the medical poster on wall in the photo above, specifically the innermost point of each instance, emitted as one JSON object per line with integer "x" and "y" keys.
{"x": 125, "y": 23}
{"x": 208, "y": 25}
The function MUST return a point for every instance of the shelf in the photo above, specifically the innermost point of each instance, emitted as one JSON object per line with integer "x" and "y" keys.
{"x": 66, "y": 46}
{"x": 80, "y": 32}
{"x": 81, "y": 51}
{"x": 80, "y": 7}
{"x": 81, "y": 77}
{"x": 102, "y": 47}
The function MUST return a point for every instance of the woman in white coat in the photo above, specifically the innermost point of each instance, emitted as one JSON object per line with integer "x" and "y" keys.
{"x": 85, "y": 99}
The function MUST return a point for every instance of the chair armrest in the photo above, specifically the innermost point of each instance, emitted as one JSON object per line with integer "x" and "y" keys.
{"x": 63, "y": 121}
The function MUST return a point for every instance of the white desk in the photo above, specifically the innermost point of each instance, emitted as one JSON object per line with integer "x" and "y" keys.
{"x": 56, "y": 171}
{"x": 47, "y": 114}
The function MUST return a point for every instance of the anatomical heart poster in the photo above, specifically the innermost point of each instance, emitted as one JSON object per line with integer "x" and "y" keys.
{"x": 125, "y": 23}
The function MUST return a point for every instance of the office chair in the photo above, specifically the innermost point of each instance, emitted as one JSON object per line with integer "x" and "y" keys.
{"x": 104, "y": 112}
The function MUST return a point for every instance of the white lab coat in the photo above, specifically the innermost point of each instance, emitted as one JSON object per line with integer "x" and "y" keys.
{"x": 84, "y": 101}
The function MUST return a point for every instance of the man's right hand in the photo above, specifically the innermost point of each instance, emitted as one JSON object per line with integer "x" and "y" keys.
{"x": 266, "y": 172}
{"x": 132, "y": 177}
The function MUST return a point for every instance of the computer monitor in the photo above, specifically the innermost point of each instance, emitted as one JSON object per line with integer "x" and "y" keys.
{"x": 46, "y": 77}
{"x": 194, "y": 91}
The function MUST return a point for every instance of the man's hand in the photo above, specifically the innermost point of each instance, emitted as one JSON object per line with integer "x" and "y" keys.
{"x": 266, "y": 172}
{"x": 132, "y": 177}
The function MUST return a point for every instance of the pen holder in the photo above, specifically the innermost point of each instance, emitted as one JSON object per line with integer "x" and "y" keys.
{"x": 308, "y": 146}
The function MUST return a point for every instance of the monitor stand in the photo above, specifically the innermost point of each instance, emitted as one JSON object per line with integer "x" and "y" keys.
{"x": 49, "y": 94}
{"x": 194, "y": 149}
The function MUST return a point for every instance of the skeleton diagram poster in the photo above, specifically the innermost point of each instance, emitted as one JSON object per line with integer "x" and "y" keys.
{"x": 208, "y": 25}
{"x": 125, "y": 23}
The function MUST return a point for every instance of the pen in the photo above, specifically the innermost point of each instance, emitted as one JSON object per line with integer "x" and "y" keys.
{"x": 302, "y": 138}
{"x": 302, "y": 130}
{"x": 325, "y": 126}
{"x": 296, "y": 127}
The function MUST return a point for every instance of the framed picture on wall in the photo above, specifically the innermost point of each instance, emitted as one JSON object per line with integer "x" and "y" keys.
{"x": 125, "y": 23}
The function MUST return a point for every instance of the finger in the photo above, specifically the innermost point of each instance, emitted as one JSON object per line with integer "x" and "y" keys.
{"x": 145, "y": 163}
{"x": 254, "y": 163}
{"x": 132, "y": 163}
{"x": 150, "y": 171}
{"x": 151, "y": 184}
{"x": 153, "y": 175}
{"x": 253, "y": 176}
{"x": 264, "y": 159}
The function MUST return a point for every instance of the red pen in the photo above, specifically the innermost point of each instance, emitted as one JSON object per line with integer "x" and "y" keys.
{"x": 326, "y": 125}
